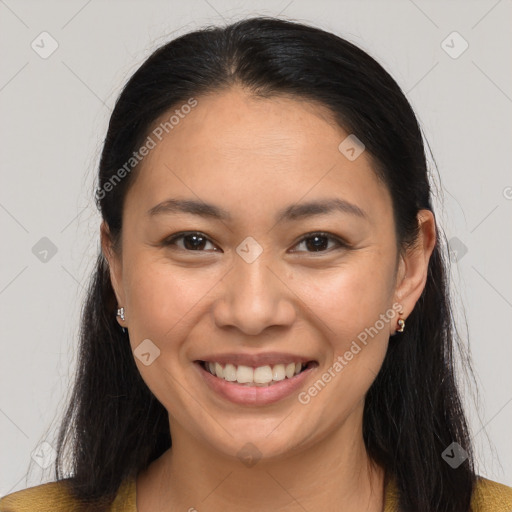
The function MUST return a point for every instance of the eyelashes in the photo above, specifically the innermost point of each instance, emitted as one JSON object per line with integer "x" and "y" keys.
{"x": 318, "y": 236}
{"x": 196, "y": 241}
{"x": 196, "y": 237}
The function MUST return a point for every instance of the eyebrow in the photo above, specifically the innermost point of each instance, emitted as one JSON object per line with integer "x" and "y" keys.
{"x": 290, "y": 213}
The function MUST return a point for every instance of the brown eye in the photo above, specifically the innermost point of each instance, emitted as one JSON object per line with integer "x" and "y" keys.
{"x": 319, "y": 242}
{"x": 189, "y": 242}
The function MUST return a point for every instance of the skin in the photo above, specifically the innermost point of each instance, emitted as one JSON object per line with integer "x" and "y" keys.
{"x": 253, "y": 157}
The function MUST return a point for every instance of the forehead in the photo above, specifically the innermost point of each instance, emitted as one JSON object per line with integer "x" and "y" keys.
{"x": 235, "y": 124}
{"x": 245, "y": 150}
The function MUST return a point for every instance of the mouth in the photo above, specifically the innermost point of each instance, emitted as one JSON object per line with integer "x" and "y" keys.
{"x": 255, "y": 386}
{"x": 260, "y": 376}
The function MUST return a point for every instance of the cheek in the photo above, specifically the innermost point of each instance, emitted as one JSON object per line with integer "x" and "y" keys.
{"x": 161, "y": 299}
{"x": 163, "y": 304}
{"x": 350, "y": 298}
{"x": 356, "y": 316}
{"x": 354, "y": 306}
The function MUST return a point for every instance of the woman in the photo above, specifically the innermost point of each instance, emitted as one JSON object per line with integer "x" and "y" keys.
{"x": 271, "y": 294}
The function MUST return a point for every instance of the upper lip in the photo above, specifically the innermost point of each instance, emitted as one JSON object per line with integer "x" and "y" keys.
{"x": 255, "y": 360}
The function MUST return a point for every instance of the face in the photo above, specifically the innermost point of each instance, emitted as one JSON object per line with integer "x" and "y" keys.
{"x": 251, "y": 242}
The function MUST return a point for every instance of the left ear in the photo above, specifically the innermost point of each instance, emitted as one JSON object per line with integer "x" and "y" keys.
{"x": 413, "y": 267}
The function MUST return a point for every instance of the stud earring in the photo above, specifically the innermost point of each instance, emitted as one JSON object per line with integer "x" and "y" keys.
{"x": 120, "y": 313}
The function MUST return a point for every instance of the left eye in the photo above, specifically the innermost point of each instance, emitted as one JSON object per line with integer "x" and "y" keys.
{"x": 319, "y": 242}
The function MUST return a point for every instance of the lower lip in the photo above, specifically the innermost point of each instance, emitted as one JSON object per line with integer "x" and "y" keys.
{"x": 254, "y": 395}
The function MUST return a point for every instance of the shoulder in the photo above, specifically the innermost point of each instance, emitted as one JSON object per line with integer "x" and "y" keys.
{"x": 56, "y": 497}
{"x": 52, "y": 496}
{"x": 490, "y": 496}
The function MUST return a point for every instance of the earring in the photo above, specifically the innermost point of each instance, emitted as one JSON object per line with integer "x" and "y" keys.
{"x": 401, "y": 325}
{"x": 120, "y": 313}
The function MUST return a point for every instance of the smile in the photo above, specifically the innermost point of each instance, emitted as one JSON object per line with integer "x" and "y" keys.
{"x": 255, "y": 386}
{"x": 260, "y": 376}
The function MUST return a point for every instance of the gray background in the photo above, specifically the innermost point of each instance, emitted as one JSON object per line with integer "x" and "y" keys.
{"x": 54, "y": 113}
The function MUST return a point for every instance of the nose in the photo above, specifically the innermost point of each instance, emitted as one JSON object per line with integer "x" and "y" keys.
{"x": 254, "y": 297}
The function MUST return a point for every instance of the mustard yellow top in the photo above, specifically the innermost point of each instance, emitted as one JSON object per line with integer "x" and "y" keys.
{"x": 488, "y": 497}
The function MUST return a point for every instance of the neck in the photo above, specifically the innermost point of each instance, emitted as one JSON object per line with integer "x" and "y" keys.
{"x": 333, "y": 474}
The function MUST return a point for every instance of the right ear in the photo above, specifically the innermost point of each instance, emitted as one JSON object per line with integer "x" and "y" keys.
{"x": 114, "y": 263}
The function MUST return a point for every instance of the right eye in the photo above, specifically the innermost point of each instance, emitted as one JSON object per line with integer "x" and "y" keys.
{"x": 191, "y": 241}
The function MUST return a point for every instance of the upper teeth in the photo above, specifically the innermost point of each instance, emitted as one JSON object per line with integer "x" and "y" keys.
{"x": 260, "y": 375}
